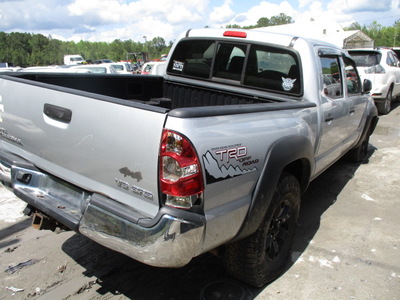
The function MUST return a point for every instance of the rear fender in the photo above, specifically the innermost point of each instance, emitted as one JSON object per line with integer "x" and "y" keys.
{"x": 294, "y": 154}
{"x": 370, "y": 125}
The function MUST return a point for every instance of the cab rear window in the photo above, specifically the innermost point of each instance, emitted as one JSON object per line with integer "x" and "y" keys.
{"x": 259, "y": 66}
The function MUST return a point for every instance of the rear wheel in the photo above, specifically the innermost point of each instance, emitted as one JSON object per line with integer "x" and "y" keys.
{"x": 263, "y": 256}
{"x": 385, "y": 106}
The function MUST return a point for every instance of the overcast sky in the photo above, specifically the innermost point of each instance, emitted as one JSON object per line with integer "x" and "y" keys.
{"x": 107, "y": 20}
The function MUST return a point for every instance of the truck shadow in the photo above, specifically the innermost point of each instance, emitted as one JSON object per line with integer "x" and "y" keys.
{"x": 204, "y": 278}
{"x": 320, "y": 195}
{"x": 11, "y": 230}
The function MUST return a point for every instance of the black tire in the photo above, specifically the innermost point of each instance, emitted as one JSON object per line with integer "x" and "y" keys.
{"x": 385, "y": 106}
{"x": 261, "y": 257}
{"x": 359, "y": 154}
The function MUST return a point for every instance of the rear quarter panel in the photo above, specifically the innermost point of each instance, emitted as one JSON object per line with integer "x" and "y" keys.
{"x": 233, "y": 150}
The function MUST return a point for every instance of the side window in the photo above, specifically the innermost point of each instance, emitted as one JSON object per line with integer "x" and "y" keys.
{"x": 396, "y": 60}
{"x": 392, "y": 60}
{"x": 331, "y": 76}
{"x": 389, "y": 59}
{"x": 353, "y": 82}
{"x": 273, "y": 69}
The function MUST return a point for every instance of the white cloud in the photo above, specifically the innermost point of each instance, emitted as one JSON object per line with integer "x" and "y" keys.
{"x": 107, "y": 20}
{"x": 304, "y": 3}
{"x": 33, "y": 17}
{"x": 222, "y": 14}
{"x": 144, "y": 17}
{"x": 264, "y": 9}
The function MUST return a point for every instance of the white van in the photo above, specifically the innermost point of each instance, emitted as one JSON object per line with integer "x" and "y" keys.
{"x": 73, "y": 59}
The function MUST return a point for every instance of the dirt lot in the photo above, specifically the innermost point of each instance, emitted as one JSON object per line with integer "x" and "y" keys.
{"x": 347, "y": 247}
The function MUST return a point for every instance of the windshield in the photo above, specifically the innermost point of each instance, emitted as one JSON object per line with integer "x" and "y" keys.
{"x": 366, "y": 58}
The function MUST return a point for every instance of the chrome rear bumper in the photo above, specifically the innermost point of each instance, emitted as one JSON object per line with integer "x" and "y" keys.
{"x": 170, "y": 239}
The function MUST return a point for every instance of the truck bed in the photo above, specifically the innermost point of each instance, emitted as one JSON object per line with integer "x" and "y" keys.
{"x": 152, "y": 90}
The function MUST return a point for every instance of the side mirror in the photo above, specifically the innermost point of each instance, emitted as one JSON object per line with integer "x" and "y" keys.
{"x": 367, "y": 86}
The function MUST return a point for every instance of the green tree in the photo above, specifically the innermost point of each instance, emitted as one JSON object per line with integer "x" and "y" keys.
{"x": 353, "y": 26}
{"x": 39, "y": 53}
{"x": 263, "y": 22}
{"x": 233, "y": 26}
{"x": 281, "y": 19}
{"x": 19, "y": 48}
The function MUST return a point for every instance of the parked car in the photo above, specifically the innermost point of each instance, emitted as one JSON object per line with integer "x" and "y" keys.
{"x": 146, "y": 68}
{"x": 381, "y": 66}
{"x": 11, "y": 69}
{"x": 99, "y": 69}
{"x": 47, "y": 69}
{"x": 154, "y": 68}
{"x": 102, "y": 61}
{"x": 123, "y": 67}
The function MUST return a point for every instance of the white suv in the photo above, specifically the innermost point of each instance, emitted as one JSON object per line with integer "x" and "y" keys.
{"x": 382, "y": 67}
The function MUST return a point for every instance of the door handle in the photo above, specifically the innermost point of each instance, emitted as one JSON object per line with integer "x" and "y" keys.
{"x": 329, "y": 118}
{"x": 58, "y": 113}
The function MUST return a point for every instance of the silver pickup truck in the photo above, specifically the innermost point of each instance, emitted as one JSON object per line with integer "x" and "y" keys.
{"x": 213, "y": 156}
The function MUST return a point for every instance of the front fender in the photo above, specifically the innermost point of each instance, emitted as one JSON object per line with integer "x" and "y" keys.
{"x": 295, "y": 154}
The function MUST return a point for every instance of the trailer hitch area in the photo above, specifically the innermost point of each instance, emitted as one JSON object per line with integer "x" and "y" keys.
{"x": 41, "y": 221}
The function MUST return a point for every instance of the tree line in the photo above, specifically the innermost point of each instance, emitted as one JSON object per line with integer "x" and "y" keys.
{"x": 27, "y": 49}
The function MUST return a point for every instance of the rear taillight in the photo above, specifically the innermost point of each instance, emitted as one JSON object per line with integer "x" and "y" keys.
{"x": 180, "y": 173}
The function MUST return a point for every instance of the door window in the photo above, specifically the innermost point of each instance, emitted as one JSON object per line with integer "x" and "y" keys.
{"x": 331, "y": 77}
{"x": 353, "y": 83}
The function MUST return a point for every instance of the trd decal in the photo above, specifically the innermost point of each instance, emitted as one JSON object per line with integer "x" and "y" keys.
{"x": 228, "y": 154}
{"x": 224, "y": 163}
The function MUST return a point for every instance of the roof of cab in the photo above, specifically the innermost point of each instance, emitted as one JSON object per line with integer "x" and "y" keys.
{"x": 253, "y": 35}
{"x": 282, "y": 39}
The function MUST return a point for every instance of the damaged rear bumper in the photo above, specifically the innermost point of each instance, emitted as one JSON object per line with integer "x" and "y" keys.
{"x": 170, "y": 239}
